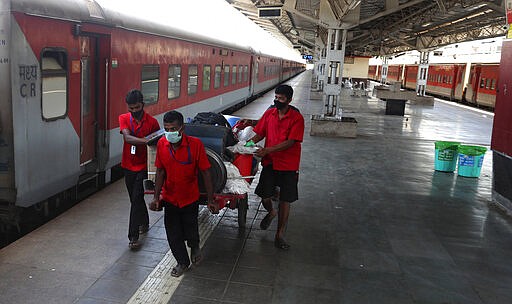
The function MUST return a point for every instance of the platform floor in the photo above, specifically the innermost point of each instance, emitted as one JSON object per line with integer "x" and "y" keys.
{"x": 374, "y": 224}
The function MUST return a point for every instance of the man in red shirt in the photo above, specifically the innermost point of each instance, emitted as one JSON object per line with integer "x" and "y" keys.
{"x": 179, "y": 159}
{"x": 135, "y": 125}
{"x": 282, "y": 126}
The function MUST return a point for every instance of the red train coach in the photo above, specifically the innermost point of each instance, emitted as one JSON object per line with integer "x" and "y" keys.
{"x": 482, "y": 84}
{"x": 72, "y": 62}
{"x": 395, "y": 73}
{"x": 446, "y": 80}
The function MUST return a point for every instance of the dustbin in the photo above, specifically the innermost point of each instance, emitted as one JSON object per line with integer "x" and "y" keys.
{"x": 470, "y": 160}
{"x": 446, "y": 156}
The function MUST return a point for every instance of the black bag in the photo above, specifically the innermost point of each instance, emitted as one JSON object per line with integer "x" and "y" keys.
{"x": 223, "y": 128}
{"x": 211, "y": 118}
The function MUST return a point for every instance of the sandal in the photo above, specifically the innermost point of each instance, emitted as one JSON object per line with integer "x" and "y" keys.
{"x": 135, "y": 244}
{"x": 281, "y": 244}
{"x": 195, "y": 255}
{"x": 266, "y": 221}
{"x": 178, "y": 270}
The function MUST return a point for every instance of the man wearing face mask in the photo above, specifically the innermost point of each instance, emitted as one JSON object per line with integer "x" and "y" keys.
{"x": 282, "y": 126}
{"x": 135, "y": 125}
{"x": 179, "y": 159}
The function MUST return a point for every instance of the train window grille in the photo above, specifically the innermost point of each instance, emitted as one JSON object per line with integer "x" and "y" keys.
{"x": 150, "y": 76}
{"x": 493, "y": 84}
{"x": 233, "y": 74}
{"x": 192, "y": 79}
{"x": 482, "y": 83}
{"x": 174, "y": 81}
{"x": 226, "y": 75}
{"x": 488, "y": 83}
{"x": 246, "y": 72}
{"x": 216, "y": 80}
{"x": 240, "y": 73}
{"x": 207, "y": 74}
{"x": 54, "y": 83}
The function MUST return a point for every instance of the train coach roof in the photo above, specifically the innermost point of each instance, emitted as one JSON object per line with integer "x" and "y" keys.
{"x": 92, "y": 12}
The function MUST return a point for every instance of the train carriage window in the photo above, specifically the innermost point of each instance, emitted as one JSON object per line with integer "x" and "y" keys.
{"x": 488, "y": 83}
{"x": 216, "y": 81}
{"x": 192, "y": 79}
{"x": 174, "y": 81}
{"x": 54, "y": 79}
{"x": 226, "y": 75}
{"x": 240, "y": 73}
{"x": 207, "y": 74}
{"x": 150, "y": 83}
{"x": 233, "y": 74}
{"x": 493, "y": 84}
{"x": 482, "y": 82}
{"x": 246, "y": 72}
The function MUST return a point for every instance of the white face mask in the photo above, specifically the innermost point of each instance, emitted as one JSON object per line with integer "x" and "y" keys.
{"x": 173, "y": 137}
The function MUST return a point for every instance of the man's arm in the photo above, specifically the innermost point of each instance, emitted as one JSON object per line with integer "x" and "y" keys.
{"x": 133, "y": 140}
{"x": 207, "y": 179}
{"x": 155, "y": 205}
{"x": 279, "y": 147}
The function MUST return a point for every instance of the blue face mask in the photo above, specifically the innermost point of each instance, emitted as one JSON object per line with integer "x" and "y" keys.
{"x": 173, "y": 137}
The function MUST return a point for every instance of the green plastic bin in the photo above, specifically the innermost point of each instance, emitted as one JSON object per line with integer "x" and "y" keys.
{"x": 446, "y": 156}
{"x": 470, "y": 160}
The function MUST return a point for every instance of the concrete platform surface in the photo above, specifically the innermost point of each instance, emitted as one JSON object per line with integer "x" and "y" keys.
{"x": 374, "y": 224}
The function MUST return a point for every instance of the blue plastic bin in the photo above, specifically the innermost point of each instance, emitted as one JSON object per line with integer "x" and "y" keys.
{"x": 470, "y": 160}
{"x": 446, "y": 156}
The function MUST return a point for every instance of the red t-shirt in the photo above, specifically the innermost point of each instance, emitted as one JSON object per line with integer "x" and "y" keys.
{"x": 181, "y": 169}
{"x": 275, "y": 131}
{"x": 148, "y": 125}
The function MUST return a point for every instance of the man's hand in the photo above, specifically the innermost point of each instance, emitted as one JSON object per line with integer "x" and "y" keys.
{"x": 155, "y": 205}
{"x": 213, "y": 207}
{"x": 262, "y": 152}
{"x": 248, "y": 122}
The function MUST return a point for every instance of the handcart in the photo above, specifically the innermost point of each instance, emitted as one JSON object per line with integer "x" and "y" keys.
{"x": 214, "y": 138}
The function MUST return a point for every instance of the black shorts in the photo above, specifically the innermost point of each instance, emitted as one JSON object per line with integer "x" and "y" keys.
{"x": 286, "y": 180}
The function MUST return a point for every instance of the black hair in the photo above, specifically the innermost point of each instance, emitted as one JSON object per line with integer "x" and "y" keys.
{"x": 134, "y": 96}
{"x": 286, "y": 90}
{"x": 173, "y": 116}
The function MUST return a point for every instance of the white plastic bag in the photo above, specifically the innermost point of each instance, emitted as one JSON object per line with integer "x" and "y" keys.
{"x": 235, "y": 183}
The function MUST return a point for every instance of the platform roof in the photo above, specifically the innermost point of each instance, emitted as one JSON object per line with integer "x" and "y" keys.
{"x": 379, "y": 27}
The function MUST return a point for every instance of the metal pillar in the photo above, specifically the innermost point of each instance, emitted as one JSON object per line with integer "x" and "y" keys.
{"x": 334, "y": 63}
{"x": 384, "y": 70}
{"x": 421, "y": 80}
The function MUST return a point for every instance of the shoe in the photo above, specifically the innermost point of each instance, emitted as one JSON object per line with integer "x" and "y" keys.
{"x": 281, "y": 244}
{"x": 196, "y": 255}
{"x": 178, "y": 270}
{"x": 266, "y": 221}
{"x": 134, "y": 244}
{"x": 143, "y": 229}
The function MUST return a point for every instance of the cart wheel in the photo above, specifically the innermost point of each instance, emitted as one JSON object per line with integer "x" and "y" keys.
{"x": 242, "y": 206}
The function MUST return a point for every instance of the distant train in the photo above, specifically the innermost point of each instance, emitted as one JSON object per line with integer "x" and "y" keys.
{"x": 65, "y": 68}
{"x": 476, "y": 85}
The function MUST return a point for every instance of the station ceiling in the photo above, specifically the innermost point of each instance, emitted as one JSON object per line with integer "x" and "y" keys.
{"x": 379, "y": 27}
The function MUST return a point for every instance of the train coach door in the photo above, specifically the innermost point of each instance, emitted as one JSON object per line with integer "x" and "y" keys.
{"x": 476, "y": 83}
{"x": 87, "y": 101}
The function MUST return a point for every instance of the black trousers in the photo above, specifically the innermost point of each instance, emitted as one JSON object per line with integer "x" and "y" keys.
{"x": 181, "y": 225}
{"x": 138, "y": 211}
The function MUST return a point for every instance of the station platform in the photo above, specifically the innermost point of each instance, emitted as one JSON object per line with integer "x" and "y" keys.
{"x": 374, "y": 223}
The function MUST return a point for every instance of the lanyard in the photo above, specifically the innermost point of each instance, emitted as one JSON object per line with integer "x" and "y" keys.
{"x": 133, "y": 128}
{"x": 188, "y": 162}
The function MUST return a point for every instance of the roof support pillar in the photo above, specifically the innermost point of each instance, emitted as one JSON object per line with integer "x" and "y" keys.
{"x": 421, "y": 80}
{"x": 336, "y": 41}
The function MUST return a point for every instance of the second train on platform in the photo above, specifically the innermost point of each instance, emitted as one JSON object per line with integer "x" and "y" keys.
{"x": 473, "y": 83}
